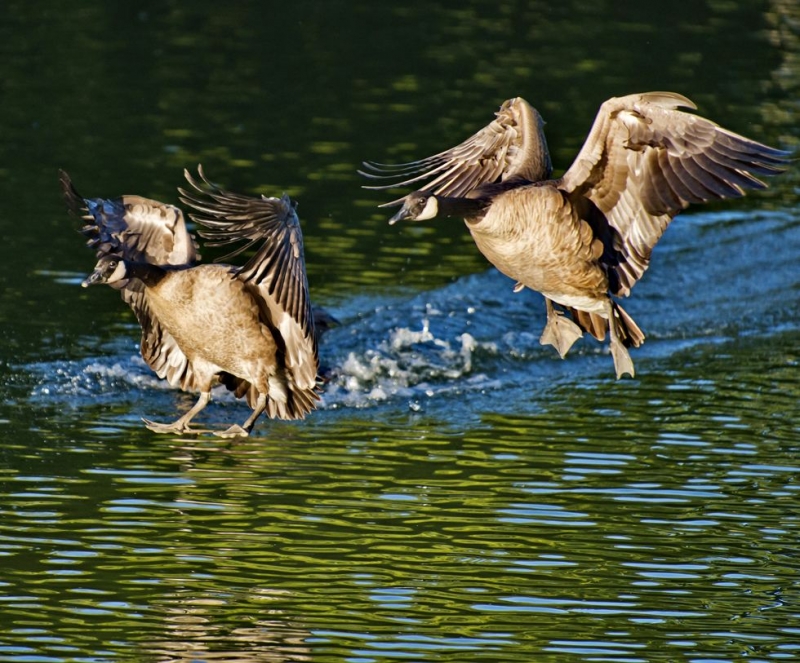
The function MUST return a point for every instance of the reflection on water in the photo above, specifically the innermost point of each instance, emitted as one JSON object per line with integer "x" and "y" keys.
{"x": 462, "y": 494}
{"x": 509, "y": 539}
{"x": 536, "y": 506}
{"x": 195, "y": 636}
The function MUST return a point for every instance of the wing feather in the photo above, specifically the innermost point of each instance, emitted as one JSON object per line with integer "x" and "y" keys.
{"x": 159, "y": 349}
{"x": 276, "y": 272}
{"x": 645, "y": 160}
{"x": 510, "y": 146}
{"x": 135, "y": 228}
{"x": 140, "y": 230}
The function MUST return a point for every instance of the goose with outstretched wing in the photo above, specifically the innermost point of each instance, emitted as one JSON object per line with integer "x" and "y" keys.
{"x": 587, "y": 236}
{"x": 250, "y": 328}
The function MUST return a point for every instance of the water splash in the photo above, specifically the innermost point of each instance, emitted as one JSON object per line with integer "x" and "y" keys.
{"x": 475, "y": 335}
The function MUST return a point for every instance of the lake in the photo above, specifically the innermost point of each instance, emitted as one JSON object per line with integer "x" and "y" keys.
{"x": 461, "y": 494}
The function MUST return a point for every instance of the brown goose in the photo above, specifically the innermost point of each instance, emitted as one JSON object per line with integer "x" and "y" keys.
{"x": 249, "y": 327}
{"x": 588, "y": 235}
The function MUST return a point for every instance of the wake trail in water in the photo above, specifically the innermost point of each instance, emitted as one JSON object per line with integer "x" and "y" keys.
{"x": 714, "y": 277}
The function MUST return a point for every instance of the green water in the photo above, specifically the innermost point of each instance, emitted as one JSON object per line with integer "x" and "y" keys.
{"x": 462, "y": 494}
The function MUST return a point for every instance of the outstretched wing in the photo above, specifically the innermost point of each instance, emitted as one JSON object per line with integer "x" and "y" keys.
{"x": 140, "y": 230}
{"x": 135, "y": 228}
{"x": 276, "y": 271}
{"x": 644, "y": 161}
{"x": 159, "y": 349}
{"x": 512, "y": 146}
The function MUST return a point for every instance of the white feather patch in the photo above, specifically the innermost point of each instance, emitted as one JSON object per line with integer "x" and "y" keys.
{"x": 277, "y": 390}
{"x": 430, "y": 211}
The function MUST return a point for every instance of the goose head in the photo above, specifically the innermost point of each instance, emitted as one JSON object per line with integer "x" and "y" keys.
{"x": 109, "y": 269}
{"x": 417, "y": 206}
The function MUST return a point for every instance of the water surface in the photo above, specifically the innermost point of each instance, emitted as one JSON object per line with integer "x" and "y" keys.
{"x": 462, "y": 494}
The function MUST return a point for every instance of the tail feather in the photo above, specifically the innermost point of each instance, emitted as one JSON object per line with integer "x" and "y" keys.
{"x": 596, "y": 325}
{"x": 286, "y": 400}
{"x": 591, "y": 323}
{"x": 627, "y": 330}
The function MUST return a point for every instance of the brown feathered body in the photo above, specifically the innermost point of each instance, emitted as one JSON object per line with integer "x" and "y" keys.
{"x": 250, "y": 328}
{"x": 216, "y": 321}
{"x": 534, "y": 235}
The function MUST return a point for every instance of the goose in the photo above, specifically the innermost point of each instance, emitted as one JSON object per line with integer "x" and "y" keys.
{"x": 250, "y": 328}
{"x": 585, "y": 238}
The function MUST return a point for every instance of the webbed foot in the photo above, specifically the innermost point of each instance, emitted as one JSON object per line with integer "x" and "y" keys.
{"x": 623, "y": 363}
{"x": 176, "y": 427}
{"x": 560, "y": 331}
{"x": 234, "y": 431}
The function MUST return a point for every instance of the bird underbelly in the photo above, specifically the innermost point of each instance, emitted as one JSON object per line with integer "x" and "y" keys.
{"x": 536, "y": 237}
{"x": 580, "y": 302}
{"x": 226, "y": 333}
{"x": 584, "y": 288}
{"x": 233, "y": 350}
{"x": 562, "y": 278}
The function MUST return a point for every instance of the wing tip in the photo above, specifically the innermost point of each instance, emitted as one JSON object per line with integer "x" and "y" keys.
{"x": 665, "y": 99}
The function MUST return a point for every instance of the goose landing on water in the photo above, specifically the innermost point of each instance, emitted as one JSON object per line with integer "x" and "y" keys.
{"x": 249, "y": 327}
{"x": 588, "y": 235}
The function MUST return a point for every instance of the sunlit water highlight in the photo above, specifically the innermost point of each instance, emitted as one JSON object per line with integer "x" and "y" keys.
{"x": 529, "y": 504}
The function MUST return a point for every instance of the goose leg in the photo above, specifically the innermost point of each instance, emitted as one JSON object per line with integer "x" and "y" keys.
{"x": 182, "y": 424}
{"x": 244, "y": 430}
{"x": 560, "y": 331}
{"x": 622, "y": 360}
